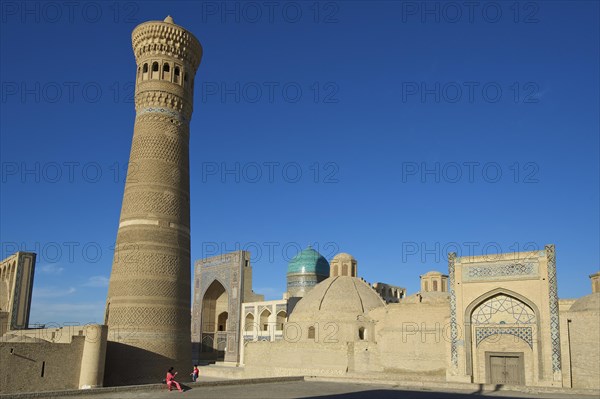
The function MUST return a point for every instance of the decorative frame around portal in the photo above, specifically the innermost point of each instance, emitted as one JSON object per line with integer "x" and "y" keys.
{"x": 494, "y": 298}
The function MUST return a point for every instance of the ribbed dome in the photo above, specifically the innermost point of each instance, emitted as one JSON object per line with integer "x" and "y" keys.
{"x": 589, "y": 303}
{"x": 342, "y": 256}
{"x": 309, "y": 261}
{"x": 433, "y": 273}
{"x": 343, "y": 296}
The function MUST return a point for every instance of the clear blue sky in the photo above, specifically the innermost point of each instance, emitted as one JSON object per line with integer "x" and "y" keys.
{"x": 498, "y": 105}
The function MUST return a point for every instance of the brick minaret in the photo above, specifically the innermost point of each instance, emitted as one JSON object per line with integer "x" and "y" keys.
{"x": 148, "y": 303}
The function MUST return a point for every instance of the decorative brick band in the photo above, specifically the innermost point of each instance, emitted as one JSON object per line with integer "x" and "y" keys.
{"x": 553, "y": 299}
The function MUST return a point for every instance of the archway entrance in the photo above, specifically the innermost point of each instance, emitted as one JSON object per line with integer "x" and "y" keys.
{"x": 501, "y": 344}
{"x": 215, "y": 311}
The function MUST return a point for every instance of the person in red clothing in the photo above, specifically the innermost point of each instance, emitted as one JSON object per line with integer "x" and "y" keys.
{"x": 171, "y": 380}
{"x": 195, "y": 373}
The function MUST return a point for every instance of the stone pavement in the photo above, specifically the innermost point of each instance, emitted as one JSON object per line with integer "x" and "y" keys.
{"x": 313, "y": 389}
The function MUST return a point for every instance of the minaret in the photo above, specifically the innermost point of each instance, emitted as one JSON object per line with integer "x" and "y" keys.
{"x": 148, "y": 303}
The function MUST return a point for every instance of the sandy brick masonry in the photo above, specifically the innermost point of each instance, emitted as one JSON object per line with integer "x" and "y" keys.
{"x": 148, "y": 302}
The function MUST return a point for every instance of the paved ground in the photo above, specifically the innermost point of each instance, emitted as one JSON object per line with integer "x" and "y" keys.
{"x": 313, "y": 389}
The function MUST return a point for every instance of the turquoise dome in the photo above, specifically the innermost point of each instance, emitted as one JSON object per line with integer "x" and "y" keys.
{"x": 309, "y": 261}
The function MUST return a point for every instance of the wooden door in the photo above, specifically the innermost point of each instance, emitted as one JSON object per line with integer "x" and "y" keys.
{"x": 506, "y": 370}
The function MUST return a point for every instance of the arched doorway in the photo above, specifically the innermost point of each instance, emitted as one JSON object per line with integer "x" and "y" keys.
{"x": 222, "y": 321}
{"x": 264, "y": 320}
{"x": 281, "y": 316}
{"x": 249, "y": 326}
{"x": 215, "y": 312}
{"x": 501, "y": 330}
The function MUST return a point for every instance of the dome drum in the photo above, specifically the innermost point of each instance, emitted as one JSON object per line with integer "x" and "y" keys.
{"x": 305, "y": 271}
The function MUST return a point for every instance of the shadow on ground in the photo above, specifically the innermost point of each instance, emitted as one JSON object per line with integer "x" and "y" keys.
{"x": 407, "y": 394}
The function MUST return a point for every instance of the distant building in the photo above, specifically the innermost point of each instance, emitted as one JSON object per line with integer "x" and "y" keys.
{"x": 263, "y": 321}
{"x": 34, "y": 359}
{"x": 344, "y": 265}
{"x": 389, "y": 293}
{"x": 16, "y": 287}
{"x": 221, "y": 284}
{"x": 434, "y": 282}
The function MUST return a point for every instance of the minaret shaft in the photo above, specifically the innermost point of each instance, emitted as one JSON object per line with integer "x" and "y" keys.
{"x": 148, "y": 303}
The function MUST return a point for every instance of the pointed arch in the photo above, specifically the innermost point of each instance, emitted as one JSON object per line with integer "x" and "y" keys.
{"x": 281, "y": 316}
{"x": 480, "y": 300}
{"x": 218, "y": 280}
{"x": 264, "y": 319}
{"x": 222, "y": 321}
{"x": 249, "y": 324}
{"x": 215, "y": 301}
{"x": 495, "y": 292}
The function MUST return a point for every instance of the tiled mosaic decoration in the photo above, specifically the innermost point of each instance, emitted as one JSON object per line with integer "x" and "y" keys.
{"x": 554, "y": 322}
{"x": 503, "y": 309}
{"x": 525, "y": 333}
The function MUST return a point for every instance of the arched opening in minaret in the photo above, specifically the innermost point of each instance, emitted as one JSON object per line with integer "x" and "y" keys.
{"x": 166, "y": 71}
{"x": 215, "y": 312}
{"x": 154, "y": 70}
{"x": 177, "y": 74}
